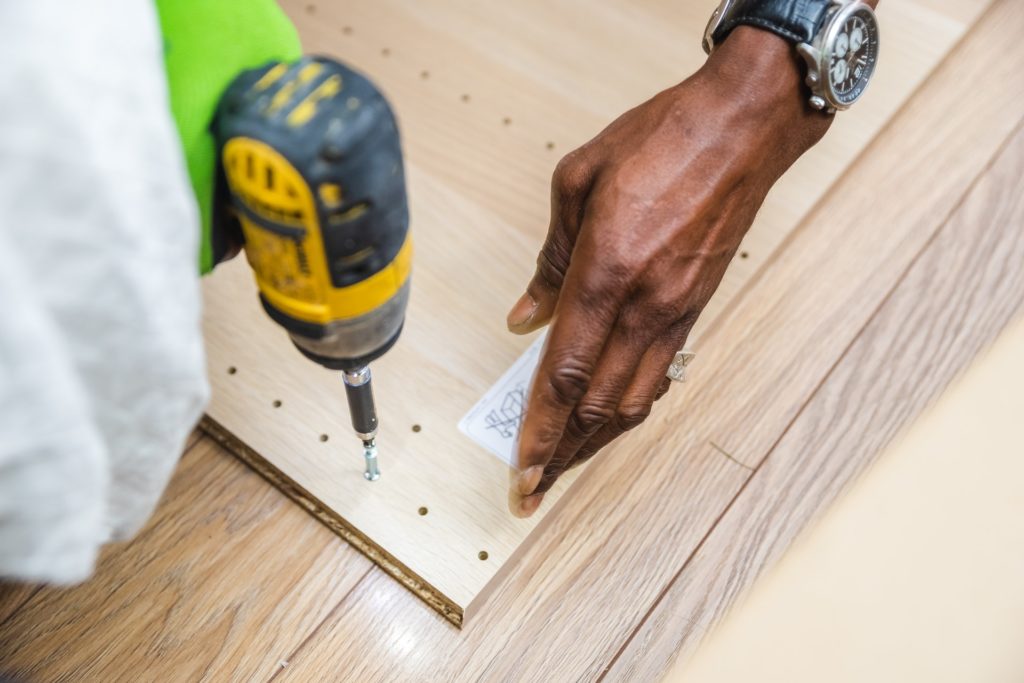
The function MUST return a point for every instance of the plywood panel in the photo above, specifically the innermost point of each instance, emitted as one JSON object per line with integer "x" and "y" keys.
{"x": 488, "y": 95}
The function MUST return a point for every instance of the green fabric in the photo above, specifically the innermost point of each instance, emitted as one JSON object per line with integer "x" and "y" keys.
{"x": 206, "y": 44}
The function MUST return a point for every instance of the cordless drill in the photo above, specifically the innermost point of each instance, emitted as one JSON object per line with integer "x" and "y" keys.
{"x": 311, "y": 183}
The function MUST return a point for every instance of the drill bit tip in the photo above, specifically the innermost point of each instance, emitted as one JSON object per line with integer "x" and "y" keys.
{"x": 372, "y": 472}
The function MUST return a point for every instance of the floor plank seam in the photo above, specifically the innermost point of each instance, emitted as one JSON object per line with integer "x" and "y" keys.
{"x": 668, "y": 584}
{"x": 942, "y": 224}
{"x": 284, "y": 663}
{"x": 729, "y": 457}
{"x": 897, "y": 282}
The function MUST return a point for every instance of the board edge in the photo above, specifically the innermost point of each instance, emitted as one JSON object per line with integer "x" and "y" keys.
{"x": 434, "y": 598}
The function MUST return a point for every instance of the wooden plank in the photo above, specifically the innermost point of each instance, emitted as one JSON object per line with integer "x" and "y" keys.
{"x": 963, "y": 290}
{"x": 915, "y": 575}
{"x": 224, "y": 582}
{"x": 14, "y": 595}
{"x": 589, "y": 581}
{"x": 479, "y": 198}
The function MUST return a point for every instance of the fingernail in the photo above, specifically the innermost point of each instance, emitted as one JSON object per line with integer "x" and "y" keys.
{"x": 529, "y": 479}
{"x": 522, "y": 312}
{"x": 529, "y": 505}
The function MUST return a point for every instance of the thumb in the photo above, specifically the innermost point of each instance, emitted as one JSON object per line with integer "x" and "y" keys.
{"x": 569, "y": 187}
{"x": 536, "y": 306}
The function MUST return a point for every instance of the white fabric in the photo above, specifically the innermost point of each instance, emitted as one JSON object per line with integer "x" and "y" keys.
{"x": 101, "y": 360}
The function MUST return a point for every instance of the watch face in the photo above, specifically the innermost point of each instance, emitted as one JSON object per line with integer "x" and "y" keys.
{"x": 852, "y": 54}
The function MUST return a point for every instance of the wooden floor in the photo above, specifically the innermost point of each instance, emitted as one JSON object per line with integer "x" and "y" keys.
{"x": 885, "y": 292}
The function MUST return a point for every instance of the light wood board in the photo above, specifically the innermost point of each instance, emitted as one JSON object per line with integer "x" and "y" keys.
{"x": 488, "y": 96}
{"x": 916, "y": 574}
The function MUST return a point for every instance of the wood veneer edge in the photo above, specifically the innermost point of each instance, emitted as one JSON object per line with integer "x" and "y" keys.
{"x": 380, "y": 557}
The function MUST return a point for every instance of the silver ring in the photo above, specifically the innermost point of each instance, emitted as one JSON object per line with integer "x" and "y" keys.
{"x": 677, "y": 370}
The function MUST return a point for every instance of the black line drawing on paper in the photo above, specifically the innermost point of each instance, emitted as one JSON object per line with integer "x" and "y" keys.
{"x": 508, "y": 416}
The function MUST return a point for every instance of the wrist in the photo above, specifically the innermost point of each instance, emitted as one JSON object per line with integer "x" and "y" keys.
{"x": 761, "y": 75}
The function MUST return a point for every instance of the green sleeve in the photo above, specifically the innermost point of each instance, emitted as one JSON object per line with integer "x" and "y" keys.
{"x": 206, "y": 44}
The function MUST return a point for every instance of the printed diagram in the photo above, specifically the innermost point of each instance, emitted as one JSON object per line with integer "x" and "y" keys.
{"x": 495, "y": 420}
{"x": 506, "y": 418}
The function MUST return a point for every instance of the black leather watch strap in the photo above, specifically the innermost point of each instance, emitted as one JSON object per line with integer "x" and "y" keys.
{"x": 795, "y": 20}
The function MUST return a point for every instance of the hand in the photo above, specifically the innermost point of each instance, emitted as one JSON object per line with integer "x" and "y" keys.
{"x": 644, "y": 221}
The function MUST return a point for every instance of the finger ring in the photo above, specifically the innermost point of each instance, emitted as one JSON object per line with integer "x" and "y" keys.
{"x": 677, "y": 370}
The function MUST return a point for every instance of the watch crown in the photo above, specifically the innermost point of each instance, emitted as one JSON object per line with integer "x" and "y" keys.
{"x": 817, "y": 102}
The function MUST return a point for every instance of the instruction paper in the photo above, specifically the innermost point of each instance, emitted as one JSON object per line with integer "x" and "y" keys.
{"x": 495, "y": 420}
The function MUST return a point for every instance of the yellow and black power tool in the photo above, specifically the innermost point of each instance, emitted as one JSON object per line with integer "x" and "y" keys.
{"x": 312, "y": 184}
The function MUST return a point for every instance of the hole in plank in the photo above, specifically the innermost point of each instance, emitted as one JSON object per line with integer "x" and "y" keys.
{"x": 506, "y": 121}
{"x": 310, "y": 9}
{"x": 744, "y": 254}
{"x": 482, "y": 555}
{"x": 385, "y": 52}
{"x": 276, "y": 403}
{"x": 232, "y": 370}
{"x": 550, "y": 145}
{"x": 465, "y": 98}
{"x": 423, "y": 511}
{"x": 416, "y": 428}
{"x": 324, "y": 437}
{"x": 347, "y": 30}
{"x": 424, "y": 75}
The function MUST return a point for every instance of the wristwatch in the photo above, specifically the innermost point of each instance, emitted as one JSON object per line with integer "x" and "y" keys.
{"x": 837, "y": 38}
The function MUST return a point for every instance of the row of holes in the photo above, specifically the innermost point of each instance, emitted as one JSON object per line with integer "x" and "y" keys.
{"x": 276, "y": 403}
{"x": 425, "y": 75}
{"x": 507, "y": 121}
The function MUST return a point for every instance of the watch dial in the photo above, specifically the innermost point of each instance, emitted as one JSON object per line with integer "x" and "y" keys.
{"x": 853, "y": 57}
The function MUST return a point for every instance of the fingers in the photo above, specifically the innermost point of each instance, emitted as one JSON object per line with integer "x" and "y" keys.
{"x": 569, "y": 186}
{"x": 619, "y": 362}
{"x": 649, "y": 384}
{"x": 581, "y": 328}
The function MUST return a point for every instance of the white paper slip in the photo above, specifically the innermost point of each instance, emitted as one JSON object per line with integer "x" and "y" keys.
{"x": 495, "y": 420}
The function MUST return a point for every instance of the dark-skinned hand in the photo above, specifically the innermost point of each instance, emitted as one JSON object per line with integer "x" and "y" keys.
{"x": 645, "y": 218}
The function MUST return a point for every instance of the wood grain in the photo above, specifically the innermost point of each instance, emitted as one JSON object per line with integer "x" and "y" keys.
{"x": 963, "y": 290}
{"x": 478, "y": 191}
{"x": 222, "y": 584}
{"x": 572, "y": 600}
{"x": 915, "y": 574}
{"x": 621, "y": 538}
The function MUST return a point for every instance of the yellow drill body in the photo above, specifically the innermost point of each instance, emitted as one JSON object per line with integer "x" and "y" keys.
{"x": 313, "y": 181}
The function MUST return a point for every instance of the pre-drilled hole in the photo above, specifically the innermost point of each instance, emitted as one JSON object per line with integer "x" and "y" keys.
{"x": 424, "y": 75}
{"x": 416, "y": 428}
{"x": 506, "y": 121}
{"x": 465, "y": 98}
{"x": 385, "y": 52}
{"x": 324, "y": 437}
{"x": 310, "y": 9}
{"x": 744, "y": 254}
{"x": 423, "y": 511}
{"x": 276, "y": 403}
{"x": 482, "y": 555}
{"x": 550, "y": 145}
{"x": 347, "y": 30}
{"x": 232, "y": 370}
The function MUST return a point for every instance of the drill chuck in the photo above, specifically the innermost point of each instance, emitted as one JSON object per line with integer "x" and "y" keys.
{"x": 359, "y": 391}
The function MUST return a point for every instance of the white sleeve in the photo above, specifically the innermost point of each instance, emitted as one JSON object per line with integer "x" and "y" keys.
{"x": 101, "y": 361}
